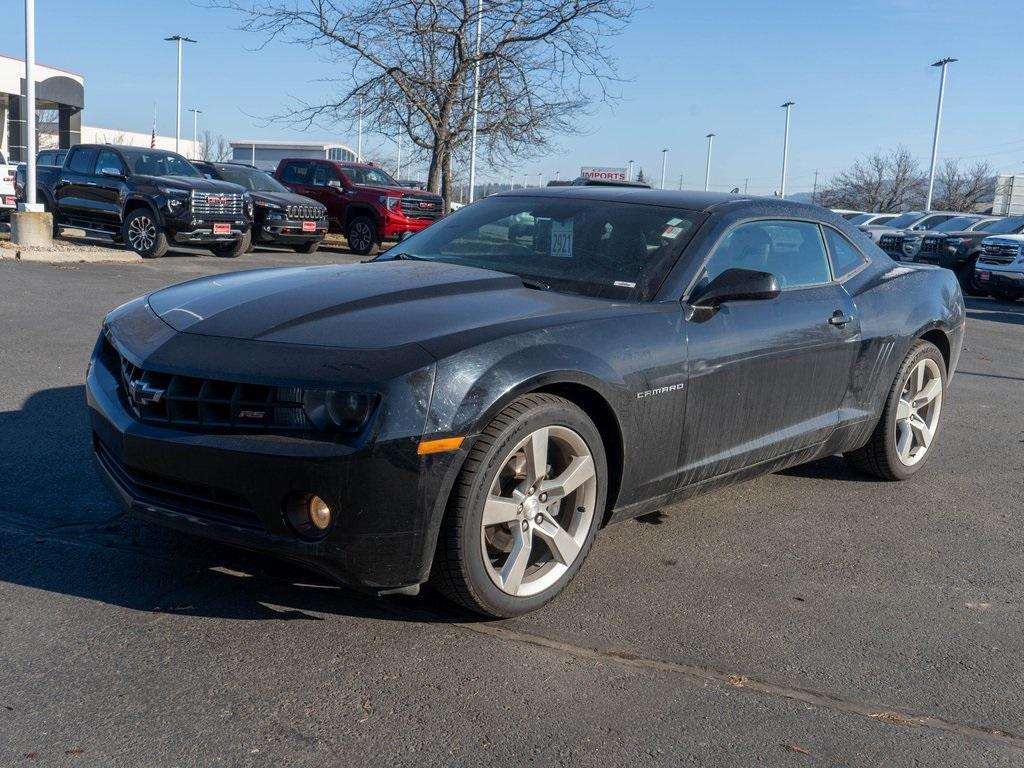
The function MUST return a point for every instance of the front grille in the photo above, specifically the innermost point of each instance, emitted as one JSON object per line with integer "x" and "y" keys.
{"x": 931, "y": 245}
{"x": 891, "y": 243}
{"x": 216, "y": 204}
{"x": 998, "y": 253}
{"x": 422, "y": 208}
{"x": 160, "y": 491}
{"x": 305, "y": 212}
{"x": 187, "y": 402}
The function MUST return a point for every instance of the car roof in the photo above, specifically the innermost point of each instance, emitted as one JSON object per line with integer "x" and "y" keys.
{"x": 686, "y": 200}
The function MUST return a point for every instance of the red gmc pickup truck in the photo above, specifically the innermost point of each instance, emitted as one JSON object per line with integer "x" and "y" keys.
{"x": 363, "y": 202}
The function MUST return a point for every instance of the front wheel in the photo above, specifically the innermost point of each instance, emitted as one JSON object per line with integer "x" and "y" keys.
{"x": 525, "y": 509}
{"x": 968, "y": 279}
{"x": 144, "y": 235}
{"x": 234, "y": 248}
{"x": 361, "y": 235}
{"x": 903, "y": 439}
{"x": 310, "y": 247}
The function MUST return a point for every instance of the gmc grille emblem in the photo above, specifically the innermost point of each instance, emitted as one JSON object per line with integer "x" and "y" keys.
{"x": 142, "y": 393}
{"x": 216, "y": 200}
{"x": 426, "y": 205}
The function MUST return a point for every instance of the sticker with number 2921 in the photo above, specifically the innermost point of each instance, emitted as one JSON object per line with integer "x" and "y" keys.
{"x": 561, "y": 239}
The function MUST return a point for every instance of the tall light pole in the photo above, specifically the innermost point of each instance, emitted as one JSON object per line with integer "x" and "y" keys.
{"x": 629, "y": 173}
{"x": 707, "y": 168}
{"x": 359, "y": 139}
{"x": 398, "y": 171}
{"x": 195, "y": 126}
{"x": 558, "y": 175}
{"x": 540, "y": 179}
{"x": 30, "y": 108}
{"x": 476, "y": 100}
{"x": 938, "y": 121}
{"x": 785, "y": 148}
{"x": 664, "y": 165}
{"x": 525, "y": 182}
{"x": 179, "y": 39}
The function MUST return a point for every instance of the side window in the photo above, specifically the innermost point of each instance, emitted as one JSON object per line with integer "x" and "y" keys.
{"x": 296, "y": 173}
{"x": 932, "y": 221}
{"x": 83, "y": 161}
{"x": 108, "y": 159}
{"x": 324, "y": 175}
{"x": 845, "y": 258}
{"x": 793, "y": 251}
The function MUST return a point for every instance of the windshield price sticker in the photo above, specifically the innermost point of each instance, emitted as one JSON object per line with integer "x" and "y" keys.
{"x": 561, "y": 238}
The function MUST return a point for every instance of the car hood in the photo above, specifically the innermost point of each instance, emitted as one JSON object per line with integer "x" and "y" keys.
{"x": 419, "y": 194}
{"x": 376, "y": 305}
{"x": 189, "y": 183}
{"x": 284, "y": 198}
{"x": 1006, "y": 239}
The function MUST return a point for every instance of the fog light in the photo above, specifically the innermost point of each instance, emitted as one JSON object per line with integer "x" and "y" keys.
{"x": 319, "y": 513}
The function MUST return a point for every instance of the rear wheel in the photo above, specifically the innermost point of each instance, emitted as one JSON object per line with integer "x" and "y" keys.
{"x": 903, "y": 439}
{"x": 144, "y": 235}
{"x": 525, "y": 509}
{"x": 361, "y": 234}
{"x": 309, "y": 247}
{"x": 1010, "y": 296}
{"x": 234, "y": 248}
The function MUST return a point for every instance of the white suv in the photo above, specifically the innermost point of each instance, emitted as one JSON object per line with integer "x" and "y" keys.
{"x": 7, "y": 200}
{"x": 1000, "y": 267}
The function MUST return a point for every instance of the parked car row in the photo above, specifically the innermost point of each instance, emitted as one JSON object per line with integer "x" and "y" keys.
{"x": 150, "y": 199}
{"x": 986, "y": 252}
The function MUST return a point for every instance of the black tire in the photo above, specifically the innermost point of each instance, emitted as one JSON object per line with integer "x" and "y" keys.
{"x": 143, "y": 234}
{"x": 879, "y": 456}
{"x": 1010, "y": 296}
{"x": 361, "y": 234}
{"x": 310, "y": 247}
{"x": 234, "y": 248}
{"x": 968, "y": 279}
{"x": 459, "y": 571}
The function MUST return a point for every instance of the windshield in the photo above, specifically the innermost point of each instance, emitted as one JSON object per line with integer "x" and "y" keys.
{"x": 1008, "y": 226}
{"x": 374, "y": 177}
{"x": 594, "y": 248}
{"x": 250, "y": 178}
{"x": 956, "y": 224}
{"x": 904, "y": 220}
{"x": 153, "y": 162}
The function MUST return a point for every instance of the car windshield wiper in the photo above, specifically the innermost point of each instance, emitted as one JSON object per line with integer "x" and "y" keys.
{"x": 406, "y": 257}
{"x": 529, "y": 282}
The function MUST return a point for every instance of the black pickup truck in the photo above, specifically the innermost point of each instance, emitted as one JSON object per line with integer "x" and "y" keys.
{"x": 146, "y": 198}
{"x": 959, "y": 251}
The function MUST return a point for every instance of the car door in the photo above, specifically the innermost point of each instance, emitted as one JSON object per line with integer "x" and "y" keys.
{"x": 767, "y": 377}
{"x": 329, "y": 189}
{"x": 109, "y": 176}
{"x": 74, "y": 185}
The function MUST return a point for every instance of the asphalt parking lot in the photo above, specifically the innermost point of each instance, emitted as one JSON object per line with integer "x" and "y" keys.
{"x": 811, "y": 617}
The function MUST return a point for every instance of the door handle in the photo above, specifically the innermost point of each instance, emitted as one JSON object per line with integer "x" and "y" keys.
{"x": 840, "y": 319}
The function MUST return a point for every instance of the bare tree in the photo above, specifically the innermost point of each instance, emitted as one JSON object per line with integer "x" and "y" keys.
{"x": 878, "y": 182}
{"x": 964, "y": 190}
{"x": 411, "y": 63}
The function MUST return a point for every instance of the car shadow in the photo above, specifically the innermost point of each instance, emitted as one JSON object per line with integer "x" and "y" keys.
{"x": 61, "y": 532}
{"x": 829, "y": 468}
{"x": 995, "y": 311}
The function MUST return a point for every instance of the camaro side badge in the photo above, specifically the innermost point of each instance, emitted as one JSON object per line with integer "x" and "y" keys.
{"x": 660, "y": 391}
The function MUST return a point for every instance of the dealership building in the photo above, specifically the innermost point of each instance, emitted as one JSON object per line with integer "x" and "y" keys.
{"x": 60, "y": 101}
{"x": 267, "y": 154}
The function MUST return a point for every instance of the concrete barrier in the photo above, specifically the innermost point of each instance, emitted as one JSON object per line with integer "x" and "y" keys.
{"x": 32, "y": 229}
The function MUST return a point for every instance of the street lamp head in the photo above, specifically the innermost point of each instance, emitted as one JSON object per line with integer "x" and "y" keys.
{"x": 183, "y": 39}
{"x": 787, "y": 104}
{"x": 944, "y": 62}
{"x": 709, "y": 136}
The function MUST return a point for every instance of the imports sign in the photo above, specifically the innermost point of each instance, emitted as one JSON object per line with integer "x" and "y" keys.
{"x": 603, "y": 174}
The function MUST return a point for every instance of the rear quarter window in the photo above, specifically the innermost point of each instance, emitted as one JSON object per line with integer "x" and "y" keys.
{"x": 83, "y": 161}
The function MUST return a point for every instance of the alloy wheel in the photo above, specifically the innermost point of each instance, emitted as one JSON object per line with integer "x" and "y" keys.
{"x": 538, "y": 511}
{"x": 360, "y": 236}
{"x": 141, "y": 233}
{"x": 917, "y": 414}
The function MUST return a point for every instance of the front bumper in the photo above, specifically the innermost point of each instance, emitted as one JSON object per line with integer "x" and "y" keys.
{"x": 387, "y": 500}
{"x": 203, "y": 229}
{"x": 393, "y": 227}
{"x": 287, "y": 231}
{"x": 993, "y": 276}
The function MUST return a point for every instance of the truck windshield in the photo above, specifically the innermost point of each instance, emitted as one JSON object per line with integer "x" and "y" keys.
{"x": 1008, "y": 226}
{"x": 373, "y": 177}
{"x": 903, "y": 220}
{"x": 153, "y": 162}
{"x": 590, "y": 247}
{"x": 956, "y": 224}
{"x": 250, "y": 178}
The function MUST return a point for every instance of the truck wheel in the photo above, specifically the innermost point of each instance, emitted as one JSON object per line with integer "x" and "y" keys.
{"x": 361, "y": 234}
{"x": 309, "y": 247}
{"x": 909, "y": 424}
{"x": 524, "y": 510}
{"x": 1010, "y": 296}
{"x": 968, "y": 279}
{"x": 143, "y": 235}
{"x": 232, "y": 249}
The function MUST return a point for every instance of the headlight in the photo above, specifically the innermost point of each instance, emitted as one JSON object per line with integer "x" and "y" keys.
{"x": 391, "y": 203}
{"x": 954, "y": 240}
{"x": 268, "y": 205}
{"x": 176, "y": 198}
{"x": 337, "y": 410}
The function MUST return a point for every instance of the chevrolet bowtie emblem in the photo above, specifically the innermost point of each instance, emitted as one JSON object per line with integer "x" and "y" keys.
{"x": 143, "y": 393}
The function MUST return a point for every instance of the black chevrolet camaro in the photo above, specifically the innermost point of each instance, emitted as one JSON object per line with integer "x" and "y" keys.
{"x": 473, "y": 405}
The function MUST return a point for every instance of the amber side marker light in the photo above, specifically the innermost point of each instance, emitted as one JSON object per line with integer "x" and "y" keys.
{"x": 443, "y": 445}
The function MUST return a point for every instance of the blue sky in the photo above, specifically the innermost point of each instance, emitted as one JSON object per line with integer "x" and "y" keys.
{"x": 858, "y": 71}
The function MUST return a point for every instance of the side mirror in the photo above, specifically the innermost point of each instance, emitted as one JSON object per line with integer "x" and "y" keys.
{"x": 113, "y": 173}
{"x": 336, "y": 183}
{"x": 737, "y": 285}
